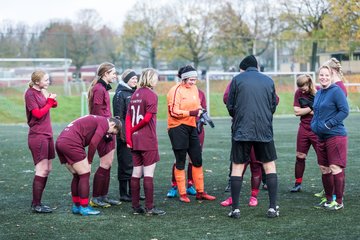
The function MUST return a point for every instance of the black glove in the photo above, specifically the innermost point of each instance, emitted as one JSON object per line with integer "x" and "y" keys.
{"x": 305, "y": 103}
{"x": 206, "y": 119}
{"x": 311, "y": 98}
{"x": 199, "y": 126}
{"x": 108, "y": 138}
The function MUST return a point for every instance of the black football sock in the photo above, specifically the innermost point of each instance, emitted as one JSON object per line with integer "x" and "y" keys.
{"x": 272, "y": 183}
{"x": 236, "y": 183}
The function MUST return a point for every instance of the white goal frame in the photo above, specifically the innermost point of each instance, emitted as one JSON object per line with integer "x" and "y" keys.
{"x": 232, "y": 74}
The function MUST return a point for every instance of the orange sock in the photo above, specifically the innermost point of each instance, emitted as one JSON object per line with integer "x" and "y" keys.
{"x": 198, "y": 178}
{"x": 180, "y": 180}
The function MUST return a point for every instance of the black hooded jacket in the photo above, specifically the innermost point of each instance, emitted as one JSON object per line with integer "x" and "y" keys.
{"x": 251, "y": 104}
{"x": 121, "y": 101}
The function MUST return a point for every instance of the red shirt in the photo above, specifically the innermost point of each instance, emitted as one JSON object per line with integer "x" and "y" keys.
{"x": 36, "y": 99}
{"x": 144, "y": 100}
{"x": 85, "y": 131}
{"x": 100, "y": 102}
{"x": 305, "y": 120}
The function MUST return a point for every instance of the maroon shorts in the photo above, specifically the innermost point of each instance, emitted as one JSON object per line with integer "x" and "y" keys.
{"x": 69, "y": 153}
{"x": 306, "y": 138}
{"x": 41, "y": 147}
{"x": 105, "y": 147}
{"x": 333, "y": 151}
{"x": 145, "y": 158}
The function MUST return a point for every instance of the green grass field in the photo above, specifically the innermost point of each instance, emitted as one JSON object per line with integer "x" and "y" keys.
{"x": 197, "y": 220}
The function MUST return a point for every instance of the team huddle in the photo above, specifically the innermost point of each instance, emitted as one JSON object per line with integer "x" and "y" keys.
{"x": 251, "y": 101}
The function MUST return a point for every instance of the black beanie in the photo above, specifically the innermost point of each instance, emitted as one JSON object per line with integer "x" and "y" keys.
{"x": 249, "y": 61}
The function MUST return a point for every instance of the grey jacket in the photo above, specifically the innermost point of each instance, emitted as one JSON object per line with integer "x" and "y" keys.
{"x": 251, "y": 104}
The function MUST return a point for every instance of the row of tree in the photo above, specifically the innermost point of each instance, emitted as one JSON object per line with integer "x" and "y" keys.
{"x": 205, "y": 33}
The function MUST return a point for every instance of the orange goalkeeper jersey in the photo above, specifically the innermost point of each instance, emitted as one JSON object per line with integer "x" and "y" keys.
{"x": 181, "y": 101}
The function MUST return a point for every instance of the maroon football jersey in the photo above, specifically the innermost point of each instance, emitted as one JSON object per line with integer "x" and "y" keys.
{"x": 85, "y": 131}
{"x": 35, "y": 99}
{"x": 305, "y": 120}
{"x": 342, "y": 86}
{"x": 101, "y": 98}
{"x": 202, "y": 99}
{"x": 144, "y": 100}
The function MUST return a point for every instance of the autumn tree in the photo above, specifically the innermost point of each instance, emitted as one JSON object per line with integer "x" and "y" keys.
{"x": 232, "y": 35}
{"x": 308, "y": 16}
{"x": 343, "y": 24}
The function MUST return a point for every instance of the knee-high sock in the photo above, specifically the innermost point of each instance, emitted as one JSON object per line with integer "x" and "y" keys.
{"x": 105, "y": 189}
{"x": 190, "y": 180}
{"x": 339, "y": 183}
{"x": 180, "y": 181}
{"x": 135, "y": 192}
{"x": 272, "y": 183}
{"x": 299, "y": 169}
{"x": 75, "y": 189}
{"x": 328, "y": 183}
{"x": 173, "y": 180}
{"x": 99, "y": 181}
{"x": 149, "y": 192}
{"x": 236, "y": 183}
{"x": 198, "y": 177}
{"x": 39, "y": 184}
{"x": 84, "y": 189}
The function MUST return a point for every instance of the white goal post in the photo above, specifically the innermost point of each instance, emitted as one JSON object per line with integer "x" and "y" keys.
{"x": 218, "y": 75}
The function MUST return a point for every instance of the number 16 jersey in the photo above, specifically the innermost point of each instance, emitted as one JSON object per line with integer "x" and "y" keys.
{"x": 144, "y": 100}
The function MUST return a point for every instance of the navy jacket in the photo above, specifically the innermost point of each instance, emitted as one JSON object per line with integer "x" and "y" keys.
{"x": 330, "y": 109}
{"x": 121, "y": 101}
{"x": 251, "y": 104}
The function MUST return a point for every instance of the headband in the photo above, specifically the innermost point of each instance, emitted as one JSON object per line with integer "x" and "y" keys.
{"x": 129, "y": 76}
{"x": 190, "y": 74}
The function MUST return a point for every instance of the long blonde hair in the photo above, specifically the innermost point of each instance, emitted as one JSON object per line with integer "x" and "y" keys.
{"x": 100, "y": 72}
{"x": 306, "y": 79}
{"x": 335, "y": 64}
{"x": 148, "y": 78}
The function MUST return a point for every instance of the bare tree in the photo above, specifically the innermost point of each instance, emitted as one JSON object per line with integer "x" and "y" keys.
{"x": 82, "y": 39}
{"x": 13, "y": 39}
{"x": 144, "y": 27}
{"x": 194, "y": 29}
{"x": 232, "y": 35}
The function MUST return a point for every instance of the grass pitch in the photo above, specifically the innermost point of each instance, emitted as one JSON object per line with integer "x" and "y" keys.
{"x": 196, "y": 220}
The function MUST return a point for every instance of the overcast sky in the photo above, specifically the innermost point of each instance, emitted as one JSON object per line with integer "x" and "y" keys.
{"x": 41, "y": 11}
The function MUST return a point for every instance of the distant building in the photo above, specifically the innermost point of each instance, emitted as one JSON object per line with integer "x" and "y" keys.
{"x": 350, "y": 64}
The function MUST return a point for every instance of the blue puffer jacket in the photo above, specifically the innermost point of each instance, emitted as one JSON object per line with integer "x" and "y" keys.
{"x": 330, "y": 109}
